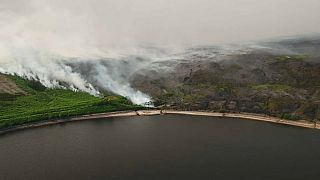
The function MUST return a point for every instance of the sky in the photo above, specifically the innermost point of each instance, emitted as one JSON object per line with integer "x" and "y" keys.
{"x": 65, "y": 23}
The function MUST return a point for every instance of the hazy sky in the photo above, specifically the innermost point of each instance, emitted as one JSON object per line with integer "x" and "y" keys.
{"x": 65, "y": 23}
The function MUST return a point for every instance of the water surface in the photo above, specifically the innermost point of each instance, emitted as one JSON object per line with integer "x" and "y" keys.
{"x": 161, "y": 147}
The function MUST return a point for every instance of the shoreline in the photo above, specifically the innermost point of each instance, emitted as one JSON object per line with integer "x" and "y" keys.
{"x": 247, "y": 116}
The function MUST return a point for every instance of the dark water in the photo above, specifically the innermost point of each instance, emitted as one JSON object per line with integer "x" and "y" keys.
{"x": 161, "y": 147}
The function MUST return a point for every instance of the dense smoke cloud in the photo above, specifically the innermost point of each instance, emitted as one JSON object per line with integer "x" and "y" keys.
{"x": 43, "y": 39}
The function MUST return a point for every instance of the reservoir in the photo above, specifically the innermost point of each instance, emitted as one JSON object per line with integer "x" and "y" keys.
{"x": 161, "y": 147}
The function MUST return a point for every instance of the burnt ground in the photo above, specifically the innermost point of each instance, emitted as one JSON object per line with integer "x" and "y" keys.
{"x": 283, "y": 81}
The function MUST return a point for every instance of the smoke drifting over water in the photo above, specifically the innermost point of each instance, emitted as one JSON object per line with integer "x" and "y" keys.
{"x": 90, "y": 45}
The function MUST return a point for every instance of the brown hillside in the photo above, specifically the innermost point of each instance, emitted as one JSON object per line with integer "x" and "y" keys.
{"x": 7, "y": 86}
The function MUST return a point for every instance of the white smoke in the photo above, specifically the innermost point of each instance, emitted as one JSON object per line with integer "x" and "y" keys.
{"x": 57, "y": 71}
{"x": 42, "y": 44}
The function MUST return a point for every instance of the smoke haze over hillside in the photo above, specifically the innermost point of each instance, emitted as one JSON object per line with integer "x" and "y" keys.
{"x": 42, "y": 39}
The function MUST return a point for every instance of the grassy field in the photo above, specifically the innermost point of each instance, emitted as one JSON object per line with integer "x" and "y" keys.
{"x": 41, "y": 103}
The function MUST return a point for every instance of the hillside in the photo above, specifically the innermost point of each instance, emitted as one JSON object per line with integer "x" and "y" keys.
{"x": 8, "y": 88}
{"x": 281, "y": 80}
{"x": 24, "y": 101}
{"x": 276, "y": 78}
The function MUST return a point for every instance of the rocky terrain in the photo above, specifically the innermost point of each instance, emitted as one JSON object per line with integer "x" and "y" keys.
{"x": 276, "y": 78}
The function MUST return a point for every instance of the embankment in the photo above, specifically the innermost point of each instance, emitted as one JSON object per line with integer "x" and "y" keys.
{"x": 256, "y": 117}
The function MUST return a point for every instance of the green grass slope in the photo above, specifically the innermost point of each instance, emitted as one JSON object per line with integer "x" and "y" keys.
{"x": 41, "y": 103}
